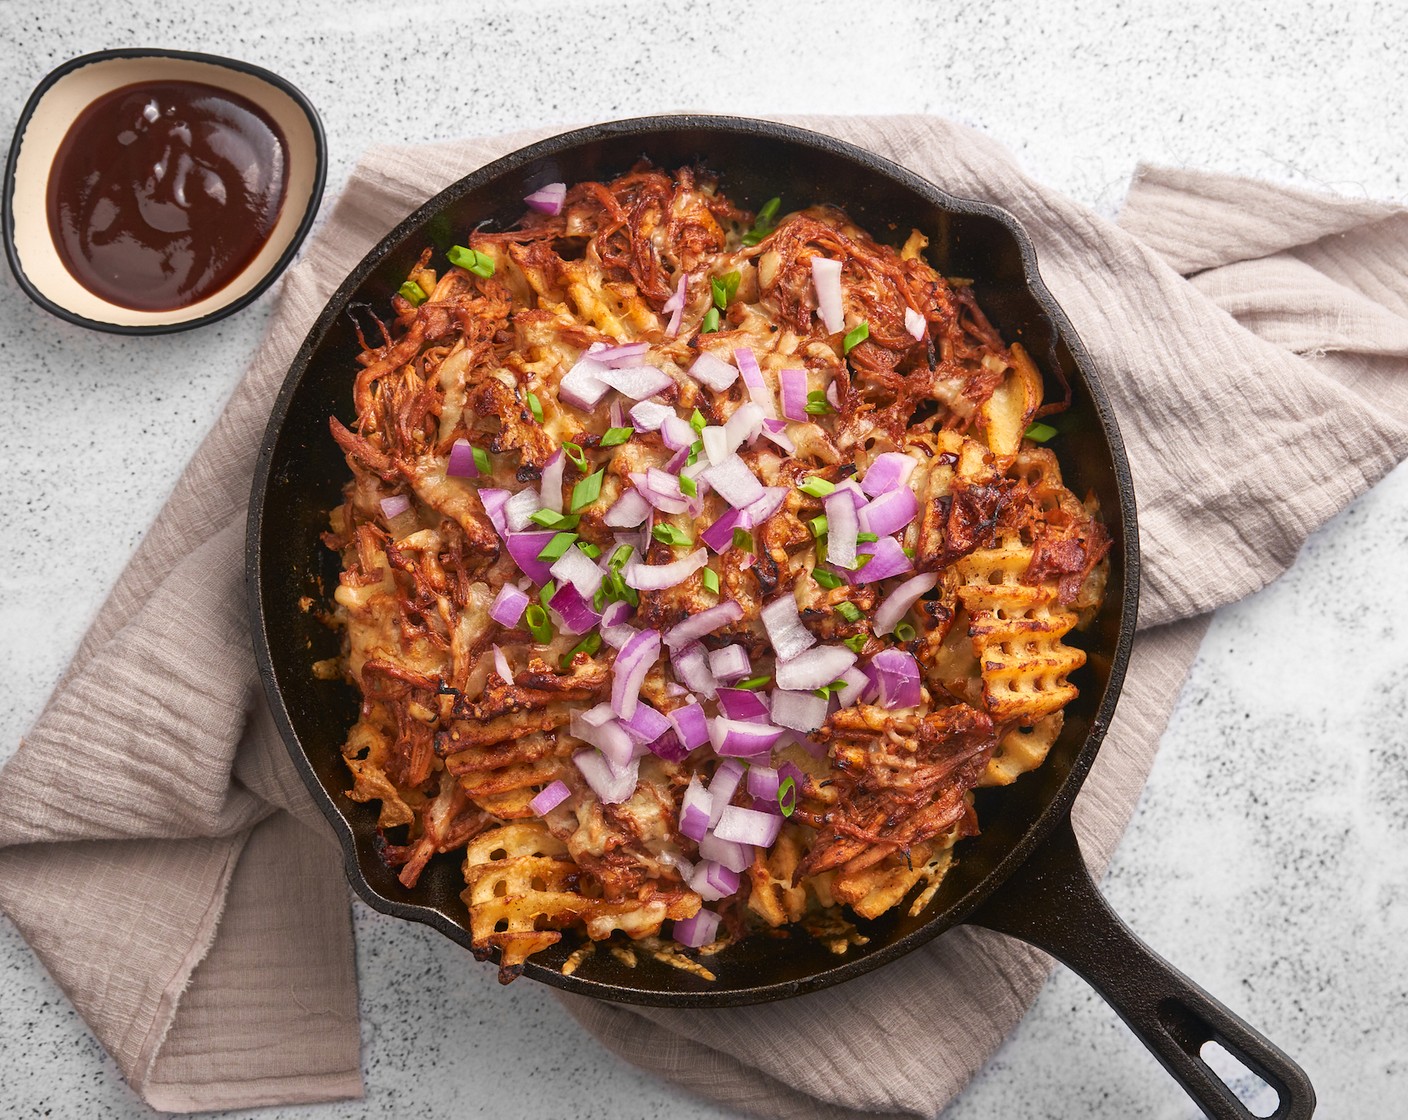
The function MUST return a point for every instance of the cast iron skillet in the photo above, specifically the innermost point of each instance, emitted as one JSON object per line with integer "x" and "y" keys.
{"x": 1024, "y": 875}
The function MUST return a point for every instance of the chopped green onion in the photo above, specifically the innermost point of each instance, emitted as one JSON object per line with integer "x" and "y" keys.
{"x": 412, "y": 293}
{"x": 688, "y": 487}
{"x": 599, "y": 599}
{"x": 787, "y": 796}
{"x": 710, "y": 323}
{"x": 904, "y": 632}
{"x": 816, "y": 486}
{"x": 856, "y": 642}
{"x": 694, "y": 449}
{"x": 589, "y": 550}
{"x": 575, "y": 454}
{"x": 588, "y": 645}
{"x": 619, "y": 557}
{"x": 764, "y": 223}
{"x": 1040, "y": 432}
{"x": 587, "y": 490}
{"x": 828, "y": 580}
{"x": 817, "y": 404}
{"x": 614, "y": 437}
{"x": 551, "y": 519}
{"x": 668, "y": 534}
{"x": 546, "y": 592}
{"x": 539, "y": 625}
{"x": 471, "y": 260}
{"x": 826, "y": 690}
{"x": 481, "y": 460}
{"x": 558, "y": 546}
{"x": 752, "y": 684}
{"x": 855, "y": 336}
{"x": 908, "y": 552}
{"x": 848, "y": 610}
{"x": 818, "y": 526}
{"x": 710, "y": 579}
{"x": 866, "y": 538}
{"x": 697, "y": 421}
{"x": 743, "y": 539}
{"x": 724, "y": 288}
{"x": 535, "y": 406}
{"x": 862, "y": 560}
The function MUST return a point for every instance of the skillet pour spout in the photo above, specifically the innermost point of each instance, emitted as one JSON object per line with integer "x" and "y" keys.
{"x": 1023, "y": 874}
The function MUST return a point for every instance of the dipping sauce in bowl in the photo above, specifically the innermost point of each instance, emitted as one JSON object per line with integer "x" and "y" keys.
{"x": 162, "y": 192}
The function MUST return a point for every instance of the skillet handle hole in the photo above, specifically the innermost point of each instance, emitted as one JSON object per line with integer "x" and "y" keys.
{"x": 1259, "y": 1098}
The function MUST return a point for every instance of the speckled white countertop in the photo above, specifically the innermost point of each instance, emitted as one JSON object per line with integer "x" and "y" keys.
{"x": 1267, "y": 857}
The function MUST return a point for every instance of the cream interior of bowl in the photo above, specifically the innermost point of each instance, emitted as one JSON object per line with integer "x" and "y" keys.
{"x": 48, "y": 125}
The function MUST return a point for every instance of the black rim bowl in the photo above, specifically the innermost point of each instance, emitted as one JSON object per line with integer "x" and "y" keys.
{"x": 300, "y": 473}
{"x": 7, "y": 195}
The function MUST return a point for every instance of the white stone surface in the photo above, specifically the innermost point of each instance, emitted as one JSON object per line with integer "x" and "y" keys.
{"x": 1268, "y": 855}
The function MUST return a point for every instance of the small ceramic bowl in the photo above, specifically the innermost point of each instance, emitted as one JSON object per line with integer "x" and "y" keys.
{"x": 54, "y": 106}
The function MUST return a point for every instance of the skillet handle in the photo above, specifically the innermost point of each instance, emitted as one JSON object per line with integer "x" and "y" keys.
{"x": 1052, "y": 902}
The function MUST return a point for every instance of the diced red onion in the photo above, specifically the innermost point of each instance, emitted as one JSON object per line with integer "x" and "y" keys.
{"x": 509, "y": 605}
{"x": 734, "y": 482}
{"x": 719, "y": 535}
{"x": 519, "y": 509}
{"x": 694, "y": 810}
{"x": 691, "y": 665}
{"x": 698, "y": 930}
{"x": 801, "y": 711}
{"x": 622, "y": 354}
{"x": 783, "y": 622}
{"x": 743, "y": 704}
{"x": 736, "y": 857}
{"x": 550, "y": 798}
{"x": 662, "y": 483}
{"x": 628, "y": 674}
{"x": 574, "y": 609}
{"x": 897, "y": 675}
{"x": 501, "y": 666}
{"x": 690, "y": 724}
{"x": 737, "y": 738}
{"x": 729, "y": 664}
{"x": 630, "y": 510}
{"x": 711, "y": 370}
{"x": 705, "y": 622}
{"x": 617, "y": 636}
{"x": 611, "y": 788}
{"x": 649, "y": 415}
{"x": 794, "y": 394}
{"x": 582, "y": 386}
{"x": 552, "y": 481}
{"x": 462, "y": 464}
{"x": 715, "y": 440}
{"x": 677, "y": 433}
{"x": 577, "y": 568}
{"x": 826, "y": 279}
{"x": 833, "y": 396}
{"x": 637, "y": 382}
{"x": 524, "y": 548}
{"x": 852, "y": 488}
{"x": 914, "y": 323}
{"x": 669, "y": 747}
{"x": 712, "y": 881}
{"x": 753, "y": 378}
{"x": 748, "y": 826}
{"x": 494, "y": 502}
{"x": 767, "y": 505}
{"x": 617, "y": 415}
{"x": 776, "y": 430}
{"x": 646, "y": 724}
{"x": 898, "y": 602}
{"x": 813, "y": 669}
{"x": 887, "y": 559}
{"x": 745, "y": 425}
{"x": 721, "y": 788}
{"x": 394, "y": 506}
{"x": 856, "y": 684}
{"x": 548, "y": 199}
{"x": 657, "y": 577}
{"x": 889, "y": 472}
{"x": 610, "y": 738}
{"x": 675, "y": 306}
{"x": 889, "y": 513}
{"x": 763, "y": 782}
{"x": 592, "y": 717}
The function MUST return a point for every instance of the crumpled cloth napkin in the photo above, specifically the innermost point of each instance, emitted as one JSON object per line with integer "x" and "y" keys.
{"x": 160, "y": 854}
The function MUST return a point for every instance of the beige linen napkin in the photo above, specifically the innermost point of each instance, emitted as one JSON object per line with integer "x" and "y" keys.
{"x": 152, "y": 825}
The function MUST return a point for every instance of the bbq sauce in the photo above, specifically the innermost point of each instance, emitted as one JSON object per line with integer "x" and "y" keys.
{"x": 162, "y": 192}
